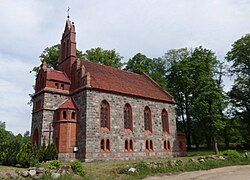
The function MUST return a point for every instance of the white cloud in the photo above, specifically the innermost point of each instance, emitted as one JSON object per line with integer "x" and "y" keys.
{"x": 148, "y": 26}
{"x": 15, "y": 86}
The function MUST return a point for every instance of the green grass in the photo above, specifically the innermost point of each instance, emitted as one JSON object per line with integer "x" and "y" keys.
{"x": 117, "y": 169}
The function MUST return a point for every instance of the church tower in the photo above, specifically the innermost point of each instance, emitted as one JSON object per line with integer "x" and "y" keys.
{"x": 68, "y": 48}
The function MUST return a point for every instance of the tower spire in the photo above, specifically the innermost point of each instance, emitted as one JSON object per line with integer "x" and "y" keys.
{"x": 68, "y": 13}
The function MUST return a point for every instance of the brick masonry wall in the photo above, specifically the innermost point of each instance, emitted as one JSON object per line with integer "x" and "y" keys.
{"x": 117, "y": 135}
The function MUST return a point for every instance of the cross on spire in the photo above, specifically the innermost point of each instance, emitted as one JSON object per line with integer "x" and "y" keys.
{"x": 68, "y": 12}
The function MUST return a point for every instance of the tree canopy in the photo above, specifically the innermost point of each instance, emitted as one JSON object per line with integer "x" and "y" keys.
{"x": 239, "y": 95}
{"x": 155, "y": 68}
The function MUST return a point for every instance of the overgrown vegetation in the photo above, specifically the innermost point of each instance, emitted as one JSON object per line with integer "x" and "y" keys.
{"x": 18, "y": 150}
{"x": 77, "y": 168}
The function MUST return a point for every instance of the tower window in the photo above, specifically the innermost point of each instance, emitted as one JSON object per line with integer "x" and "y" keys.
{"x": 62, "y": 86}
{"x": 73, "y": 114}
{"x": 64, "y": 115}
{"x": 147, "y": 119}
{"x": 57, "y": 85}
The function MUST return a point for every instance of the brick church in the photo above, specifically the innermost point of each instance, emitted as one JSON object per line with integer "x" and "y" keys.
{"x": 96, "y": 112}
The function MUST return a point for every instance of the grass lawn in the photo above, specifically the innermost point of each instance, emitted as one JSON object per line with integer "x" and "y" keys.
{"x": 150, "y": 167}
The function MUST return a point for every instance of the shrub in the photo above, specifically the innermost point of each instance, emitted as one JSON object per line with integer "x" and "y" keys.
{"x": 50, "y": 152}
{"x": 41, "y": 153}
{"x": 231, "y": 154}
{"x": 77, "y": 168}
{"x": 27, "y": 155}
{"x": 55, "y": 164}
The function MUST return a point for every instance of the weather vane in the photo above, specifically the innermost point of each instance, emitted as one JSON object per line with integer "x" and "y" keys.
{"x": 68, "y": 13}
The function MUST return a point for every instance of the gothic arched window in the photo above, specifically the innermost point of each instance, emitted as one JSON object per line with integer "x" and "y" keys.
{"x": 128, "y": 123}
{"x": 165, "y": 123}
{"x": 147, "y": 119}
{"x": 105, "y": 114}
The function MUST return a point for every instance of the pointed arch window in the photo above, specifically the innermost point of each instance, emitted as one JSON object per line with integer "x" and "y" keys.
{"x": 147, "y": 119}
{"x": 128, "y": 122}
{"x": 105, "y": 115}
{"x": 165, "y": 122}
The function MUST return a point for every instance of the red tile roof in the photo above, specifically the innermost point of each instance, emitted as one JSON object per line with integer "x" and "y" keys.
{"x": 68, "y": 104}
{"x": 120, "y": 81}
{"x": 57, "y": 75}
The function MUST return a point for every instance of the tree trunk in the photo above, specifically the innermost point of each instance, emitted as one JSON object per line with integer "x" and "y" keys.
{"x": 215, "y": 145}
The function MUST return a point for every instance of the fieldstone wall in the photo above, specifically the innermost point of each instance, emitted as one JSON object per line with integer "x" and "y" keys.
{"x": 81, "y": 102}
{"x": 43, "y": 118}
{"x": 117, "y": 134}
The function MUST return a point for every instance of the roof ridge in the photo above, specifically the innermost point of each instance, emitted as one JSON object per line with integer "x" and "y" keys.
{"x": 112, "y": 67}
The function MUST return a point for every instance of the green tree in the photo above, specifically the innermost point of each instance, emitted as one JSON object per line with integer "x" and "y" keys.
{"x": 105, "y": 57}
{"x": 239, "y": 95}
{"x": 155, "y": 68}
{"x": 191, "y": 77}
{"x": 27, "y": 155}
{"x": 181, "y": 85}
{"x": 2, "y": 125}
{"x": 51, "y": 56}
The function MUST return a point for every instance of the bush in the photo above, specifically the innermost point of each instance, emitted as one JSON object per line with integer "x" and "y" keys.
{"x": 27, "y": 156}
{"x": 55, "y": 164}
{"x": 50, "y": 152}
{"x": 77, "y": 168}
{"x": 41, "y": 153}
{"x": 231, "y": 154}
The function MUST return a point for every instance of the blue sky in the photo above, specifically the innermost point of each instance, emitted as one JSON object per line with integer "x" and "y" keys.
{"x": 148, "y": 26}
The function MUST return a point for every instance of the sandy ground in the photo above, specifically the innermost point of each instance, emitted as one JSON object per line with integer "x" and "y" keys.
{"x": 225, "y": 173}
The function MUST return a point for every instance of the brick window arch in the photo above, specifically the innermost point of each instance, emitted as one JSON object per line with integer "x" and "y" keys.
{"x": 126, "y": 145}
{"x": 131, "y": 145}
{"x": 147, "y": 119}
{"x": 107, "y": 145}
{"x": 165, "y": 122}
{"x": 73, "y": 115}
{"x": 102, "y": 145}
{"x": 149, "y": 145}
{"x": 105, "y": 114}
{"x": 128, "y": 122}
{"x": 166, "y": 145}
{"x": 35, "y": 137}
{"x": 64, "y": 115}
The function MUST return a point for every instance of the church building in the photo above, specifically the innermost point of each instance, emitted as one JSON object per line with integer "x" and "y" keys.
{"x": 96, "y": 112}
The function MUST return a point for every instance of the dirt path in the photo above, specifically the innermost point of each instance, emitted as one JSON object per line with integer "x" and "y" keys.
{"x": 225, "y": 173}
